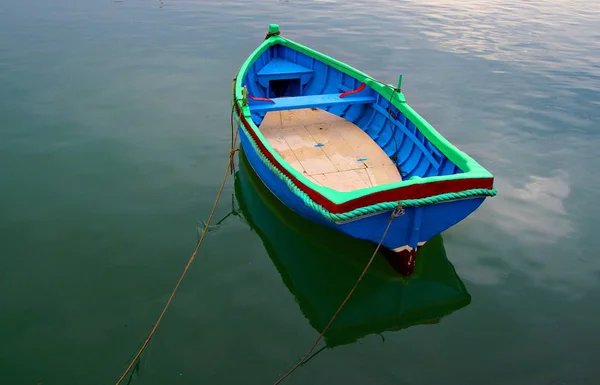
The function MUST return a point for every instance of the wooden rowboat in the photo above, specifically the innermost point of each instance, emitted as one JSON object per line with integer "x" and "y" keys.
{"x": 346, "y": 151}
{"x": 318, "y": 265}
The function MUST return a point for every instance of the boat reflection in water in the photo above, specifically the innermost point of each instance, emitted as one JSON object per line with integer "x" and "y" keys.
{"x": 319, "y": 266}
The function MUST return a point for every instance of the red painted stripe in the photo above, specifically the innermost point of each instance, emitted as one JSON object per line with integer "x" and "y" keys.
{"x": 362, "y": 87}
{"x": 408, "y": 192}
{"x": 262, "y": 99}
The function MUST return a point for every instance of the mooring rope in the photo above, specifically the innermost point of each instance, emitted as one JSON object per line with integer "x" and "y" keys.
{"x": 230, "y": 164}
{"x": 396, "y": 213}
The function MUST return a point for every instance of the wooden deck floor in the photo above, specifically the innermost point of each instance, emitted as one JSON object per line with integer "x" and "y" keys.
{"x": 328, "y": 149}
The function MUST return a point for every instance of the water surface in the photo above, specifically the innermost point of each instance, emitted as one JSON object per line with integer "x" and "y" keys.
{"x": 114, "y": 133}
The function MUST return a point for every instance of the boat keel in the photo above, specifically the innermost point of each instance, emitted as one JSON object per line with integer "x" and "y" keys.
{"x": 402, "y": 261}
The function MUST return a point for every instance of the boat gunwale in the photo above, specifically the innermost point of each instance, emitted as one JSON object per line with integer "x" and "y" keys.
{"x": 473, "y": 177}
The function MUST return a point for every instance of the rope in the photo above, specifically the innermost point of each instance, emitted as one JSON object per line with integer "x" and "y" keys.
{"x": 232, "y": 151}
{"x": 269, "y": 34}
{"x": 396, "y": 213}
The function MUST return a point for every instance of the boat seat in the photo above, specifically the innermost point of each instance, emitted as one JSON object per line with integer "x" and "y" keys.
{"x": 280, "y": 69}
{"x": 308, "y": 101}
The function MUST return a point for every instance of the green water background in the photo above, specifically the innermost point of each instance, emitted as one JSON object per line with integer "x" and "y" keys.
{"x": 114, "y": 131}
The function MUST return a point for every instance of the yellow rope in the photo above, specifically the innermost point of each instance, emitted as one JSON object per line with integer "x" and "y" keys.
{"x": 397, "y": 212}
{"x": 192, "y": 257}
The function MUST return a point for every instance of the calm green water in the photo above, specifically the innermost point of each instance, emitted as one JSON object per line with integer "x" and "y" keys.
{"x": 114, "y": 132}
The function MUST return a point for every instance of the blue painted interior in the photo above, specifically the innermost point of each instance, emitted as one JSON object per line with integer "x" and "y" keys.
{"x": 301, "y": 82}
{"x": 433, "y": 219}
{"x": 293, "y": 80}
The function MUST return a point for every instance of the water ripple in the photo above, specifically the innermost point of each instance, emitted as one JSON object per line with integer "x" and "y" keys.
{"x": 548, "y": 35}
{"x": 535, "y": 212}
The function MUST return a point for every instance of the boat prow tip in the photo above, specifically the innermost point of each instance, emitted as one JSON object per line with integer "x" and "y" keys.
{"x": 273, "y": 30}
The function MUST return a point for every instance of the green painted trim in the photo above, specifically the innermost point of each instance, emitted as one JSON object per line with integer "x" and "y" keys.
{"x": 273, "y": 28}
{"x": 470, "y": 168}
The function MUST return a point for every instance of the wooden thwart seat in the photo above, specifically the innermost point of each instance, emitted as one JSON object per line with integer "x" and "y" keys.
{"x": 329, "y": 150}
{"x": 308, "y": 101}
{"x": 278, "y": 69}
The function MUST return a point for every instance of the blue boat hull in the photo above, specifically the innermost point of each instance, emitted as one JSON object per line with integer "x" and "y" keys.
{"x": 414, "y": 228}
{"x": 437, "y": 187}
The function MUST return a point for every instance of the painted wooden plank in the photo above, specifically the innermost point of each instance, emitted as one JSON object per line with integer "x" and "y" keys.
{"x": 280, "y": 66}
{"x": 340, "y": 153}
{"x": 344, "y": 180}
{"x": 302, "y": 116}
{"x": 278, "y": 69}
{"x": 313, "y": 158}
{"x": 284, "y": 150}
{"x": 298, "y": 137}
{"x": 297, "y": 102}
{"x": 312, "y": 179}
{"x": 364, "y": 147}
{"x": 327, "y": 149}
{"x": 383, "y": 175}
{"x": 271, "y": 122}
{"x": 411, "y": 136}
